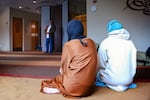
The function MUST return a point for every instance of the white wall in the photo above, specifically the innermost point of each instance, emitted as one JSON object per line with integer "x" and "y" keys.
{"x": 27, "y": 18}
{"x": 4, "y": 30}
{"x": 135, "y": 22}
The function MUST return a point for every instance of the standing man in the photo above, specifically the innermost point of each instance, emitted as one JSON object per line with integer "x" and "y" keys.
{"x": 49, "y": 33}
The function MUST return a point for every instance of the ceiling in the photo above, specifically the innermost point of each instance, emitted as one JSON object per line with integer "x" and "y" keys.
{"x": 28, "y": 5}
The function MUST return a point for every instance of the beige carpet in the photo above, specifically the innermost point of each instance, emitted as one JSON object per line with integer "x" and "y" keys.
{"x": 12, "y": 88}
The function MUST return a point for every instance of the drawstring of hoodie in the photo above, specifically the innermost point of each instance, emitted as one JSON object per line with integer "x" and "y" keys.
{"x": 83, "y": 43}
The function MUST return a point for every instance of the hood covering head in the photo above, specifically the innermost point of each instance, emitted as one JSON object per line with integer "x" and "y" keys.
{"x": 75, "y": 30}
{"x": 115, "y": 29}
{"x": 114, "y": 25}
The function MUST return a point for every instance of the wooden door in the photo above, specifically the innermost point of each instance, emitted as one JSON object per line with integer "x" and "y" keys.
{"x": 17, "y": 34}
{"x": 34, "y": 34}
{"x": 82, "y": 18}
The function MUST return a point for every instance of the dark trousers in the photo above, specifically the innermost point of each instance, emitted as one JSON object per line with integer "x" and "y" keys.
{"x": 49, "y": 44}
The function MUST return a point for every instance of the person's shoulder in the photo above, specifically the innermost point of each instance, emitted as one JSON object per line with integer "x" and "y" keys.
{"x": 47, "y": 26}
{"x": 104, "y": 42}
{"x": 67, "y": 44}
{"x": 89, "y": 39}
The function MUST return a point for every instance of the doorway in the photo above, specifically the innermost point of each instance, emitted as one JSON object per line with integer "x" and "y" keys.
{"x": 17, "y": 34}
{"x": 77, "y": 10}
{"x": 56, "y": 14}
{"x": 34, "y": 35}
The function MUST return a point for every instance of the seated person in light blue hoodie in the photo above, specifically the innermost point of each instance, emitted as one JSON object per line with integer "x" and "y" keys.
{"x": 117, "y": 56}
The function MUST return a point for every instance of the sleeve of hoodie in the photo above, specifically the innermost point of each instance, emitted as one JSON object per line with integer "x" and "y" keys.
{"x": 134, "y": 63}
{"x": 102, "y": 55}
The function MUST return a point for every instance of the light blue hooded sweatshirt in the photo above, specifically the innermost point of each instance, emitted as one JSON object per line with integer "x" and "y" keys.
{"x": 117, "y": 57}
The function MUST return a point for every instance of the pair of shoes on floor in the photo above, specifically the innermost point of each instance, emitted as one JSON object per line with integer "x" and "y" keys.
{"x": 50, "y": 90}
{"x": 132, "y": 86}
{"x": 99, "y": 83}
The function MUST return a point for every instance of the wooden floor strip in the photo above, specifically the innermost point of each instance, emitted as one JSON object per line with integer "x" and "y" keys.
{"x": 29, "y": 71}
{"x": 37, "y": 63}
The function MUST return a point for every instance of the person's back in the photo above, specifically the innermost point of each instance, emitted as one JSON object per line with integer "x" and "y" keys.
{"x": 81, "y": 61}
{"x": 121, "y": 55}
{"x": 117, "y": 55}
{"x": 148, "y": 52}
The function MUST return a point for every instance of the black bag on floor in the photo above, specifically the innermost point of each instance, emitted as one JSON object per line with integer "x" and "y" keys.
{"x": 148, "y": 52}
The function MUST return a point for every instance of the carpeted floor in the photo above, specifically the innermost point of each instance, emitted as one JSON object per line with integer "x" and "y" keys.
{"x": 29, "y": 64}
{"x": 12, "y": 88}
{"x": 42, "y": 65}
{"x": 29, "y": 69}
{"x": 49, "y": 71}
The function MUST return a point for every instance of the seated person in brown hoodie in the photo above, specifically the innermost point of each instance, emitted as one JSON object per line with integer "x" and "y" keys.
{"x": 78, "y": 65}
